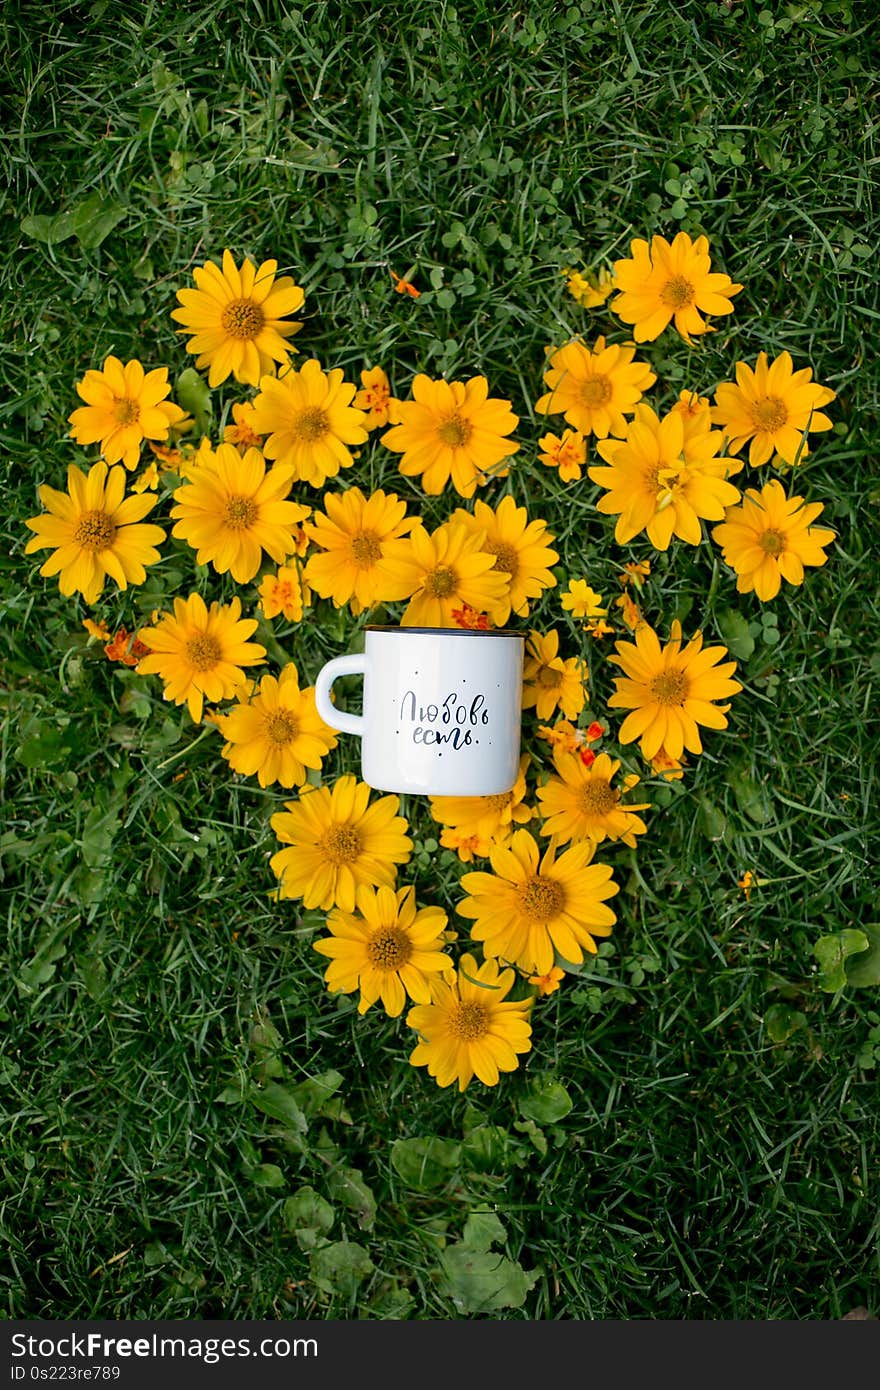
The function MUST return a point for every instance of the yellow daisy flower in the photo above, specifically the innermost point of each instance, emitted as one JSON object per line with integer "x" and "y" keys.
{"x": 670, "y": 690}
{"x": 310, "y": 421}
{"x": 231, "y": 510}
{"x": 669, "y": 282}
{"x": 770, "y": 538}
{"x": 94, "y": 533}
{"x": 470, "y": 1028}
{"x": 147, "y": 480}
{"x": 566, "y": 452}
{"x": 375, "y": 398}
{"x": 562, "y": 735}
{"x": 275, "y": 732}
{"x": 581, "y": 804}
{"x": 284, "y": 592}
{"x": 442, "y": 571}
{"x": 123, "y": 408}
{"x": 594, "y": 388}
{"x": 549, "y": 681}
{"x": 386, "y": 948}
{"x": 521, "y": 549}
{"x": 338, "y": 843}
{"x": 98, "y": 632}
{"x": 485, "y": 820}
{"x": 589, "y": 287}
{"x": 696, "y": 411}
{"x": 662, "y": 765}
{"x": 583, "y": 602}
{"x": 529, "y": 908}
{"x": 772, "y": 406}
{"x": 238, "y": 318}
{"x": 663, "y": 479}
{"x": 452, "y": 429}
{"x": 354, "y": 536}
{"x": 199, "y": 652}
{"x": 467, "y": 844}
{"x": 241, "y": 432}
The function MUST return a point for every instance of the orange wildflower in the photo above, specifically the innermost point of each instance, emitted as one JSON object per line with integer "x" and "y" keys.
{"x": 375, "y": 397}
{"x": 128, "y": 649}
{"x": 550, "y": 982}
{"x": 632, "y": 615}
{"x": 470, "y": 618}
{"x": 242, "y": 432}
{"x": 402, "y": 286}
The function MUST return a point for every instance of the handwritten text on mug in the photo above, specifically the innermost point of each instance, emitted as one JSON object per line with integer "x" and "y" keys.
{"x": 456, "y": 721}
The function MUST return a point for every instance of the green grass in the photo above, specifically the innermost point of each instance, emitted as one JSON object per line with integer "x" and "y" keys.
{"x": 151, "y": 988}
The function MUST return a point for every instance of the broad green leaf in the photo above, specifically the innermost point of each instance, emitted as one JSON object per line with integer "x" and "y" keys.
{"x": 535, "y": 1135}
{"x": 425, "y": 1163}
{"x": 193, "y": 395}
{"x": 486, "y": 1149}
{"x": 734, "y": 628}
{"x": 313, "y": 1093}
{"x": 481, "y": 1230}
{"x": 94, "y": 219}
{"x": 341, "y": 1268}
{"x": 38, "y": 227}
{"x": 483, "y": 1281}
{"x": 200, "y": 117}
{"x": 308, "y": 1217}
{"x": 89, "y": 221}
{"x": 751, "y": 797}
{"x": 831, "y": 953}
{"x": 711, "y": 821}
{"x": 46, "y": 748}
{"x": 347, "y": 1186}
{"x": 278, "y": 1103}
{"x": 863, "y": 967}
{"x": 781, "y": 1021}
{"x": 94, "y": 976}
{"x": 98, "y": 834}
{"x": 267, "y": 1175}
{"x": 545, "y": 1102}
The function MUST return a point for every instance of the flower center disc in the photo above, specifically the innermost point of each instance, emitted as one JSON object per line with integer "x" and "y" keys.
{"x": 596, "y": 391}
{"x": 678, "y": 292}
{"x": 772, "y": 542}
{"x": 341, "y": 844}
{"x": 365, "y": 549}
{"x": 203, "y": 651}
{"x": 469, "y": 1021}
{"x": 280, "y": 727}
{"x": 542, "y": 898}
{"x": 550, "y": 677}
{"x": 597, "y": 797}
{"x": 506, "y": 557}
{"x": 499, "y": 802}
{"x": 670, "y": 688}
{"x": 455, "y": 432}
{"x": 95, "y": 531}
{"x": 283, "y": 593}
{"x": 127, "y": 412}
{"x": 769, "y": 414}
{"x": 242, "y": 319}
{"x": 311, "y": 425}
{"x": 441, "y": 582}
{"x": 241, "y": 512}
{"x": 389, "y": 948}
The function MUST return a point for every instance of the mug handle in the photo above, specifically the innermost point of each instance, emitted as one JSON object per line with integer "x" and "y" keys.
{"x": 355, "y": 664}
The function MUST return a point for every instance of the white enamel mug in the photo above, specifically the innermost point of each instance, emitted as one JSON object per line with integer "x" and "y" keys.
{"x": 441, "y": 709}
